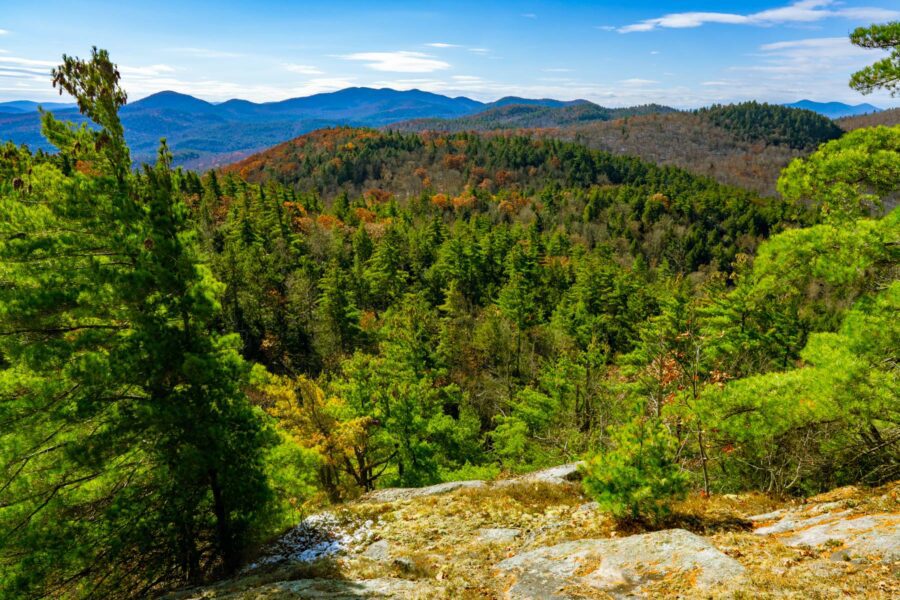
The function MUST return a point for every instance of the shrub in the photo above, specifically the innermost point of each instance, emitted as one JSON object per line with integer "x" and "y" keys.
{"x": 639, "y": 475}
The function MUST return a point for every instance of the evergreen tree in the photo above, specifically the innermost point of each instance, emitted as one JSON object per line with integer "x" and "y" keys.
{"x": 337, "y": 311}
{"x": 131, "y": 459}
{"x": 884, "y": 74}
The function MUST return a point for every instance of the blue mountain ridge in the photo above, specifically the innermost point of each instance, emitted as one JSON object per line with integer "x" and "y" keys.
{"x": 835, "y": 110}
{"x": 203, "y": 134}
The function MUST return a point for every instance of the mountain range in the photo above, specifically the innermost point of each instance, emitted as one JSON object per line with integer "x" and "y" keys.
{"x": 202, "y": 134}
{"x": 835, "y": 110}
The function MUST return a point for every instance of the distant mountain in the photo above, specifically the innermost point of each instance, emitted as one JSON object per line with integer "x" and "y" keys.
{"x": 507, "y": 100}
{"x": 201, "y": 134}
{"x": 172, "y": 101}
{"x": 835, "y": 110}
{"x": 530, "y": 114}
{"x": 25, "y": 106}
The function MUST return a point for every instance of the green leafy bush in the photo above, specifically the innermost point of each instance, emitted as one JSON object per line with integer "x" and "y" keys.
{"x": 638, "y": 476}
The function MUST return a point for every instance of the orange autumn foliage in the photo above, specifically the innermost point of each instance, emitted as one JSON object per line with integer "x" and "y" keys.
{"x": 440, "y": 200}
{"x": 329, "y": 222}
{"x": 364, "y": 214}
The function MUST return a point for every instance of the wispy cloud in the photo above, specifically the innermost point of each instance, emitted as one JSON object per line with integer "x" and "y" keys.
{"x": 638, "y": 81}
{"x": 4, "y": 31}
{"x": 25, "y": 76}
{"x": 792, "y": 69}
{"x": 810, "y": 56}
{"x": 479, "y": 50}
{"x": 206, "y": 52}
{"x": 556, "y": 70}
{"x": 400, "y": 61}
{"x": 605, "y": 27}
{"x": 28, "y": 62}
{"x": 804, "y": 11}
{"x": 147, "y": 71}
{"x": 442, "y": 45}
{"x": 303, "y": 69}
{"x": 529, "y": 16}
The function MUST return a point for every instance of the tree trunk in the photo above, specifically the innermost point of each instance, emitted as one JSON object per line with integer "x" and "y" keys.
{"x": 230, "y": 558}
{"x": 703, "y": 459}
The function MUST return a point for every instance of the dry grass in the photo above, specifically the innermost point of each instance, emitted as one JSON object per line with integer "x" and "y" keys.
{"x": 435, "y": 540}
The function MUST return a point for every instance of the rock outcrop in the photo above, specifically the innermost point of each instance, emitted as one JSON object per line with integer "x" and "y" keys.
{"x": 338, "y": 589}
{"x": 396, "y": 494}
{"x": 621, "y": 568}
{"x": 848, "y": 537}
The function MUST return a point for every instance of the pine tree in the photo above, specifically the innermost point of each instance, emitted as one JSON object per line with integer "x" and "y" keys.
{"x": 130, "y": 457}
{"x": 337, "y": 311}
{"x": 518, "y": 298}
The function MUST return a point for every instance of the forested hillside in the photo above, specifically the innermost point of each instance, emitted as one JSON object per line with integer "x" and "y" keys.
{"x": 506, "y": 115}
{"x": 745, "y": 145}
{"x": 773, "y": 124}
{"x": 888, "y": 117}
{"x": 191, "y": 363}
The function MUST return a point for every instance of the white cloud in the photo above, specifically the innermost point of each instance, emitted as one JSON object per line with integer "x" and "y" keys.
{"x": 466, "y": 78}
{"x": 833, "y": 46}
{"x": 786, "y": 71}
{"x": 399, "y": 62}
{"x": 148, "y": 71}
{"x": 557, "y": 70}
{"x": 479, "y": 50}
{"x": 303, "y": 69}
{"x": 637, "y": 81}
{"x": 654, "y": 52}
{"x": 206, "y": 52}
{"x": 27, "y": 62}
{"x": 605, "y": 27}
{"x": 814, "y": 57}
{"x": 4, "y": 31}
{"x": 804, "y": 11}
{"x": 442, "y": 45}
{"x": 529, "y": 16}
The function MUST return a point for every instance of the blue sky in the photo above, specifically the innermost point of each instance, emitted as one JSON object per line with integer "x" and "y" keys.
{"x": 686, "y": 53}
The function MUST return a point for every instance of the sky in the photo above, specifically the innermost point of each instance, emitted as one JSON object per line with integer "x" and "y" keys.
{"x": 687, "y": 53}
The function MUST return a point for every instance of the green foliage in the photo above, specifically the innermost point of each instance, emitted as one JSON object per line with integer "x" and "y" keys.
{"x": 847, "y": 177}
{"x": 773, "y": 124}
{"x": 131, "y": 459}
{"x": 639, "y": 475}
{"x": 420, "y": 309}
{"x": 801, "y": 281}
{"x": 832, "y": 421}
{"x": 885, "y": 73}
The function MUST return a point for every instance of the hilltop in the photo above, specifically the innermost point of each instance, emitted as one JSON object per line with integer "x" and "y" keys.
{"x": 743, "y": 145}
